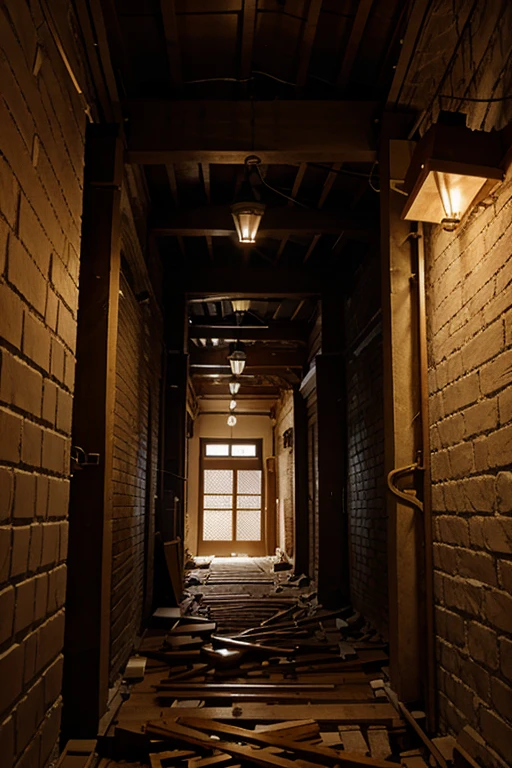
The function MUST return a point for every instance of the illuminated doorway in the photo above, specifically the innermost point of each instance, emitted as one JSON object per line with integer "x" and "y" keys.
{"x": 231, "y": 498}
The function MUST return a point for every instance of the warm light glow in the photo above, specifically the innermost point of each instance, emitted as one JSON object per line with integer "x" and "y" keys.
{"x": 231, "y": 420}
{"x": 232, "y": 405}
{"x": 237, "y": 361}
{"x": 247, "y": 218}
{"x": 234, "y": 387}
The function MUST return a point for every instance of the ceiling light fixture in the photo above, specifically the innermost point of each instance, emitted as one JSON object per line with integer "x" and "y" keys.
{"x": 234, "y": 387}
{"x": 247, "y": 210}
{"x": 237, "y": 358}
{"x": 231, "y": 420}
{"x": 452, "y": 170}
{"x": 232, "y": 405}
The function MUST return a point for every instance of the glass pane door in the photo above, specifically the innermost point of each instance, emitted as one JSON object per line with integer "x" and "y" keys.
{"x": 248, "y": 505}
{"x": 218, "y": 505}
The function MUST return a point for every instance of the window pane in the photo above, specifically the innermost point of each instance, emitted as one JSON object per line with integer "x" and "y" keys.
{"x": 248, "y": 525}
{"x": 243, "y": 450}
{"x": 218, "y": 481}
{"x": 249, "y": 481}
{"x": 217, "y": 525}
{"x": 218, "y": 502}
{"x": 248, "y": 502}
{"x": 216, "y": 449}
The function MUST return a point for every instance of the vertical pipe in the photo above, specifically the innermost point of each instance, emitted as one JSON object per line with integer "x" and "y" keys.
{"x": 427, "y": 486}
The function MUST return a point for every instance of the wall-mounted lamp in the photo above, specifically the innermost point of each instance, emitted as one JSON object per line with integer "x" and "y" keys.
{"x": 247, "y": 210}
{"x": 232, "y": 405}
{"x": 452, "y": 169}
{"x": 231, "y": 420}
{"x": 234, "y": 387}
{"x": 237, "y": 359}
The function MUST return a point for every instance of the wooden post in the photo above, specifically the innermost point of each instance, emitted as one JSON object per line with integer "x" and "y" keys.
{"x": 300, "y": 455}
{"x": 87, "y": 634}
{"x": 270, "y": 505}
{"x": 401, "y": 407}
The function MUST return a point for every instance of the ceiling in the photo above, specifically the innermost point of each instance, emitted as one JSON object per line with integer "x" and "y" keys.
{"x": 301, "y": 83}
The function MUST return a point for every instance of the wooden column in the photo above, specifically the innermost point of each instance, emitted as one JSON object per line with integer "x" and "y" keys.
{"x": 401, "y": 409}
{"x": 87, "y": 634}
{"x": 300, "y": 455}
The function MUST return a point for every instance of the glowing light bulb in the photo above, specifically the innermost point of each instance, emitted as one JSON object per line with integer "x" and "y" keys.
{"x": 231, "y": 420}
{"x": 232, "y": 405}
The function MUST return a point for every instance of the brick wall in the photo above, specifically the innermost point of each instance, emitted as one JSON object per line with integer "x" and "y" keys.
{"x": 470, "y": 348}
{"x": 365, "y": 427}
{"x": 285, "y": 473}
{"x": 41, "y": 165}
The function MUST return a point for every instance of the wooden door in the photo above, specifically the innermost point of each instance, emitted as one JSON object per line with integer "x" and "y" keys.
{"x": 231, "y": 498}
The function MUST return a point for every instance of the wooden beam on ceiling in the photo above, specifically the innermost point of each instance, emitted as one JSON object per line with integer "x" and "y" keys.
{"x": 308, "y": 38}
{"x": 244, "y": 283}
{"x": 286, "y": 132}
{"x": 273, "y": 331}
{"x": 354, "y": 41}
{"x": 419, "y": 11}
{"x": 247, "y": 38}
{"x": 295, "y": 191}
{"x": 257, "y": 357}
{"x": 311, "y": 248}
{"x": 328, "y": 183}
{"x": 207, "y": 389}
{"x": 217, "y": 221}
{"x": 168, "y": 11}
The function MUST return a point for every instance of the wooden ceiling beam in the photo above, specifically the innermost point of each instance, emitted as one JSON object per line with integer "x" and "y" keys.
{"x": 295, "y": 191}
{"x": 273, "y": 331}
{"x": 415, "y": 23}
{"x": 216, "y": 221}
{"x": 354, "y": 41}
{"x": 247, "y": 38}
{"x": 286, "y": 132}
{"x": 308, "y": 38}
{"x": 249, "y": 283}
{"x": 258, "y": 357}
{"x": 168, "y": 11}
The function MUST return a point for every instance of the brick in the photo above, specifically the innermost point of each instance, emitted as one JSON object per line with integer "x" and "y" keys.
{"x": 54, "y": 452}
{"x": 477, "y": 678}
{"x": 34, "y": 237}
{"x": 479, "y": 494}
{"x": 497, "y": 374}
{"x": 58, "y": 498}
{"x": 25, "y": 276}
{"x": 20, "y": 385}
{"x": 24, "y": 495}
{"x": 7, "y": 740}
{"x": 49, "y": 402}
{"x": 63, "y": 284}
{"x": 66, "y": 327}
{"x": 445, "y": 558}
{"x": 450, "y": 626}
{"x": 462, "y": 393}
{"x": 50, "y": 731}
{"x": 31, "y": 444}
{"x": 36, "y": 541}
{"x": 41, "y": 596}
{"x": 9, "y": 193}
{"x": 505, "y": 406}
{"x": 11, "y": 675}
{"x": 6, "y": 493}
{"x": 56, "y": 589}
{"x": 52, "y": 309}
{"x": 29, "y": 714}
{"x": 11, "y": 317}
{"x": 501, "y": 697}
{"x": 484, "y": 346}
{"x": 451, "y": 430}
{"x": 497, "y": 732}
{"x": 505, "y": 575}
{"x": 477, "y": 565}
{"x": 461, "y": 460}
{"x": 57, "y": 360}
{"x": 69, "y": 373}
{"x": 440, "y": 466}
{"x": 481, "y": 454}
{"x": 10, "y": 429}
{"x": 36, "y": 342}
{"x": 498, "y": 609}
{"x": 464, "y": 595}
{"x": 504, "y": 491}
{"x": 5, "y": 553}
{"x": 499, "y": 446}
{"x": 42, "y": 490}
{"x": 53, "y": 681}
{"x": 51, "y": 639}
{"x": 494, "y": 534}
{"x": 481, "y": 417}
{"x": 453, "y": 530}
{"x": 50, "y": 551}
{"x": 455, "y": 498}
{"x": 30, "y": 654}
{"x": 506, "y": 657}
{"x": 63, "y": 540}
{"x": 25, "y": 597}
{"x": 6, "y": 614}
{"x": 64, "y": 411}
{"x": 20, "y": 550}
{"x": 483, "y": 644}
{"x": 30, "y": 757}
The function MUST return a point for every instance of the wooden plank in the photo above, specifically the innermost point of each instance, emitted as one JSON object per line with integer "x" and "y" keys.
{"x": 384, "y": 714}
{"x": 354, "y": 41}
{"x": 280, "y": 131}
{"x": 419, "y": 10}
{"x": 247, "y": 38}
{"x": 306, "y": 751}
{"x": 350, "y": 693}
{"x": 87, "y": 633}
{"x": 308, "y": 38}
{"x": 195, "y": 628}
{"x": 353, "y": 740}
{"x": 378, "y": 741}
{"x": 271, "y": 331}
{"x": 257, "y": 282}
{"x": 168, "y": 11}
{"x": 311, "y": 248}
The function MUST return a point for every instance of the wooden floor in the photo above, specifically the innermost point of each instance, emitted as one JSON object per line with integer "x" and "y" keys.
{"x": 258, "y": 674}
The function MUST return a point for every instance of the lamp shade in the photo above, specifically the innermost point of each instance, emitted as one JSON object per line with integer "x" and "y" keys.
{"x": 232, "y": 405}
{"x": 452, "y": 169}
{"x": 234, "y": 387}
{"x": 231, "y": 420}
{"x": 237, "y": 361}
{"x": 247, "y": 217}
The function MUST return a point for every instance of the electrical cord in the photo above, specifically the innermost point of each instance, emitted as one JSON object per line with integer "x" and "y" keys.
{"x": 240, "y": 80}
{"x": 278, "y": 192}
{"x": 479, "y": 101}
